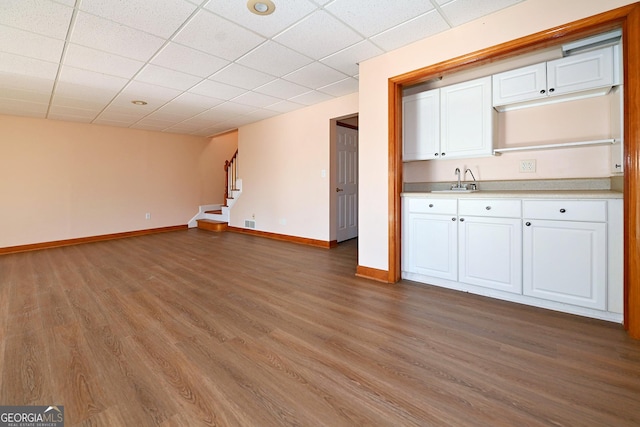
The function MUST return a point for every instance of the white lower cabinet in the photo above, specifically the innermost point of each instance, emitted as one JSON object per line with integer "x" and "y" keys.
{"x": 491, "y": 252}
{"x": 563, "y": 254}
{"x": 565, "y": 260}
{"x": 431, "y": 228}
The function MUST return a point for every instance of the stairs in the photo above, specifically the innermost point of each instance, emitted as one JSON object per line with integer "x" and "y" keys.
{"x": 216, "y": 217}
{"x": 212, "y": 225}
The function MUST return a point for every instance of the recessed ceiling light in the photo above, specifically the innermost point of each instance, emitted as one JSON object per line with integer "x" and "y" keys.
{"x": 138, "y": 102}
{"x": 261, "y": 7}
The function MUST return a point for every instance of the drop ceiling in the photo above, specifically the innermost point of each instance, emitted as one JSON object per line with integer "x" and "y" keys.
{"x": 202, "y": 67}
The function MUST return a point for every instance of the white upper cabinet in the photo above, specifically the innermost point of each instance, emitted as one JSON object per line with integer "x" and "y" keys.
{"x": 579, "y": 74}
{"x": 421, "y": 126}
{"x": 466, "y": 119}
{"x": 453, "y": 121}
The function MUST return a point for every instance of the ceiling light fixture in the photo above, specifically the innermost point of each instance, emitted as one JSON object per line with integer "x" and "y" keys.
{"x": 261, "y": 7}
{"x": 138, "y": 102}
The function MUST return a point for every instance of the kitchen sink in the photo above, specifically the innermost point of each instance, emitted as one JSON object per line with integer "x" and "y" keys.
{"x": 463, "y": 190}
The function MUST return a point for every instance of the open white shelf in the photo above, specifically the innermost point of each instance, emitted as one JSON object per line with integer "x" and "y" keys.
{"x": 499, "y": 151}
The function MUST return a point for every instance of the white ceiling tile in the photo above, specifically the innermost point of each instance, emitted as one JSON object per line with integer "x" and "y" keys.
{"x": 159, "y": 17}
{"x": 62, "y": 110}
{"x": 315, "y": 75}
{"x": 419, "y": 28}
{"x": 321, "y": 2}
{"x": 287, "y": 13}
{"x": 155, "y": 96}
{"x": 233, "y": 108}
{"x": 83, "y": 84}
{"x": 188, "y": 100}
{"x": 318, "y": 35}
{"x": 374, "y": 16}
{"x": 69, "y": 117}
{"x": 21, "y": 82}
{"x": 85, "y": 103}
{"x": 109, "y": 122}
{"x": 274, "y": 59}
{"x": 37, "y": 16}
{"x": 312, "y": 97}
{"x": 256, "y": 99}
{"x": 22, "y": 108}
{"x": 102, "y": 34}
{"x": 260, "y": 114}
{"x": 240, "y": 76}
{"x": 161, "y": 76}
{"x": 20, "y": 42}
{"x": 22, "y": 66}
{"x": 71, "y": 3}
{"x": 188, "y": 60}
{"x": 217, "y": 36}
{"x": 347, "y": 60}
{"x": 282, "y": 89}
{"x": 284, "y": 106}
{"x": 123, "y": 115}
{"x": 149, "y": 120}
{"x": 149, "y": 126}
{"x": 216, "y": 90}
{"x": 99, "y": 61}
{"x": 461, "y": 11}
{"x": 24, "y": 94}
{"x": 341, "y": 88}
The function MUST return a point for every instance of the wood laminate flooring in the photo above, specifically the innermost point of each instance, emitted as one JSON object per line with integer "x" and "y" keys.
{"x": 193, "y": 328}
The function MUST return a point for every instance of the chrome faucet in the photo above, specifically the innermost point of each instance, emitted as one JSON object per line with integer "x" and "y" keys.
{"x": 473, "y": 185}
{"x": 457, "y": 172}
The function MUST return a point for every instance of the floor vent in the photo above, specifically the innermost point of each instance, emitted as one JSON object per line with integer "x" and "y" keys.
{"x": 249, "y": 223}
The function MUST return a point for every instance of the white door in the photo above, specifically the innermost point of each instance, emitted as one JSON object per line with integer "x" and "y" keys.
{"x": 421, "y": 126}
{"x": 347, "y": 183}
{"x": 566, "y": 261}
{"x": 433, "y": 248}
{"x": 490, "y": 251}
{"x": 466, "y": 119}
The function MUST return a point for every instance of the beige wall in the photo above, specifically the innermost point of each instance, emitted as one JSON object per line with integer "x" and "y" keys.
{"x": 281, "y": 160}
{"x": 517, "y": 21}
{"x": 62, "y": 180}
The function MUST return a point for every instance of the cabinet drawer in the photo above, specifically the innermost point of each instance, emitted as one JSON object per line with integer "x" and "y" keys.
{"x": 434, "y": 206}
{"x": 490, "y": 207}
{"x": 570, "y": 210}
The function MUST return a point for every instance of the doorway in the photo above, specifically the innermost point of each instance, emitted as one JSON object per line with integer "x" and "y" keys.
{"x": 345, "y": 191}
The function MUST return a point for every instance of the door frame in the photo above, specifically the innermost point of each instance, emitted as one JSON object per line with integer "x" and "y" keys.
{"x": 628, "y": 19}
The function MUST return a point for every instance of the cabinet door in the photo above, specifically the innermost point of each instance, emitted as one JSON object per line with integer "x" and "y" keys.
{"x": 466, "y": 119}
{"x": 421, "y": 126}
{"x": 579, "y": 72}
{"x": 432, "y": 246}
{"x": 565, "y": 261}
{"x": 491, "y": 252}
{"x": 522, "y": 84}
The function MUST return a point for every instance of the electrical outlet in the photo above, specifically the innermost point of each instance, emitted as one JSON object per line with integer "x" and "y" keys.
{"x": 527, "y": 166}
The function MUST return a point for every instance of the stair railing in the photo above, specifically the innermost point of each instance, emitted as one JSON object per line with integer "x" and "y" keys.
{"x": 231, "y": 175}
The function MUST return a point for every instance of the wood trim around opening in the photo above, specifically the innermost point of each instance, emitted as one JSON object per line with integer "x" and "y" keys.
{"x": 627, "y": 18}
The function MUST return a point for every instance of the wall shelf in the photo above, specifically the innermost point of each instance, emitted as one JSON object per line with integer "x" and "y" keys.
{"x": 499, "y": 151}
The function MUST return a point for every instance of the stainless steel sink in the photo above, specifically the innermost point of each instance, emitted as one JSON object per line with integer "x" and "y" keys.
{"x": 462, "y": 190}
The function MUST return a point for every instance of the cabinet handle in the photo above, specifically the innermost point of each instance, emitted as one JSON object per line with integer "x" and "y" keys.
{"x": 430, "y": 205}
{"x": 563, "y": 210}
{"x": 528, "y": 224}
{"x": 436, "y": 154}
{"x": 551, "y": 90}
{"x": 542, "y": 91}
{"x": 443, "y": 154}
{"x": 453, "y": 219}
{"x": 488, "y": 208}
{"x": 461, "y": 219}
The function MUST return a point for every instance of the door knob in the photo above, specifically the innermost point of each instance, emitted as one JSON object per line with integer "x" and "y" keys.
{"x": 339, "y": 190}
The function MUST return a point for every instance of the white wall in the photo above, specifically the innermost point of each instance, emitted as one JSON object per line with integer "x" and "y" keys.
{"x": 280, "y": 164}
{"x": 514, "y": 22}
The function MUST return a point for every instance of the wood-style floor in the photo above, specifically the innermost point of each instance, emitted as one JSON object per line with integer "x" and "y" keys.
{"x": 194, "y": 328}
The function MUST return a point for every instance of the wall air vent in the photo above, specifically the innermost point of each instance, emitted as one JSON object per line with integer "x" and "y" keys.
{"x": 249, "y": 223}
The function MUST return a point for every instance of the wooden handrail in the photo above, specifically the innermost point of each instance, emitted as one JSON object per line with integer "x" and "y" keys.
{"x": 230, "y": 181}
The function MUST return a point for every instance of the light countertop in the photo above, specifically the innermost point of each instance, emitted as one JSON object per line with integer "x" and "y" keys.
{"x": 522, "y": 194}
